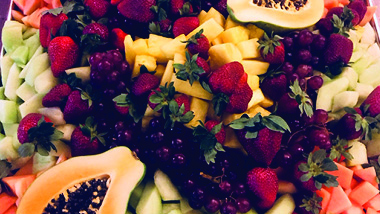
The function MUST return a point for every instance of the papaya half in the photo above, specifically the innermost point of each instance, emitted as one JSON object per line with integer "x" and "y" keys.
{"x": 119, "y": 165}
{"x": 276, "y": 15}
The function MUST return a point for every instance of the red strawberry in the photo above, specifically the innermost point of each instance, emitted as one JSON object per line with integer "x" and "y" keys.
{"x": 274, "y": 86}
{"x": 115, "y": 2}
{"x": 57, "y": 95}
{"x": 183, "y": 99}
{"x": 204, "y": 65}
{"x": 165, "y": 25}
{"x": 138, "y": 10}
{"x": 179, "y": 7}
{"x": 259, "y": 137}
{"x": 359, "y": 6}
{"x": 117, "y": 38}
{"x": 77, "y": 108}
{"x": 161, "y": 97}
{"x": 85, "y": 140}
{"x": 97, "y": 28}
{"x": 238, "y": 101}
{"x": 199, "y": 44}
{"x": 373, "y": 103}
{"x": 338, "y": 50}
{"x": 325, "y": 26}
{"x": 185, "y": 25}
{"x": 144, "y": 83}
{"x": 272, "y": 49}
{"x": 221, "y": 135}
{"x": 347, "y": 129}
{"x": 225, "y": 79}
{"x": 63, "y": 54}
{"x": 123, "y": 110}
{"x": 339, "y": 11}
{"x": 50, "y": 24}
{"x": 36, "y": 130}
{"x": 263, "y": 182}
{"x": 98, "y": 8}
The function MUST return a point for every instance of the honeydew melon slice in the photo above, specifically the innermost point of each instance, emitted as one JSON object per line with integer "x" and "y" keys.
{"x": 285, "y": 205}
{"x": 345, "y": 99}
{"x": 30, "y": 31}
{"x": 67, "y": 130}
{"x": 363, "y": 63}
{"x": 38, "y": 52}
{"x": 136, "y": 195}
{"x": 54, "y": 114}
{"x": 33, "y": 43}
{"x": 2, "y": 96}
{"x": 352, "y": 77}
{"x": 327, "y": 92}
{"x": 13, "y": 83}
{"x": 42, "y": 163}
{"x": 369, "y": 35}
{"x": 31, "y": 105}
{"x": 6, "y": 64}
{"x": 12, "y": 38}
{"x": 364, "y": 90}
{"x": 39, "y": 65}
{"x": 370, "y": 76}
{"x": 374, "y": 51}
{"x": 359, "y": 152}
{"x": 6, "y": 149}
{"x": 2, "y": 136}
{"x": 20, "y": 55}
{"x": 25, "y": 91}
{"x": 45, "y": 81}
{"x": 11, "y": 23}
{"x": 165, "y": 187}
{"x": 150, "y": 201}
{"x": 82, "y": 73}
{"x": 8, "y": 113}
{"x": 10, "y": 129}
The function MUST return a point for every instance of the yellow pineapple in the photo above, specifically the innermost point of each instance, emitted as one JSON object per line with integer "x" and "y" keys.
{"x": 266, "y": 103}
{"x": 195, "y": 90}
{"x": 217, "y": 41}
{"x": 257, "y": 98}
{"x": 179, "y": 59}
{"x": 169, "y": 71}
{"x": 253, "y": 81}
{"x": 222, "y": 54}
{"x": 148, "y": 61}
{"x": 174, "y": 46}
{"x": 235, "y": 35}
{"x": 232, "y": 140}
{"x": 202, "y": 15}
{"x": 160, "y": 70}
{"x": 251, "y": 112}
{"x": 145, "y": 123}
{"x": 211, "y": 29}
{"x": 130, "y": 53}
{"x": 255, "y": 67}
{"x": 199, "y": 107}
{"x": 249, "y": 49}
{"x": 255, "y": 32}
{"x": 154, "y": 47}
{"x": 213, "y": 14}
{"x": 140, "y": 46}
{"x": 149, "y": 112}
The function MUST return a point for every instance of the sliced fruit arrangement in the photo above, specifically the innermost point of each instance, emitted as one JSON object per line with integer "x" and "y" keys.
{"x": 228, "y": 117}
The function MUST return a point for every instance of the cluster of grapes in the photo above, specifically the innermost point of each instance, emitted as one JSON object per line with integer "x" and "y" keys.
{"x": 214, "y": 186}
{"x": 134, "y": 28}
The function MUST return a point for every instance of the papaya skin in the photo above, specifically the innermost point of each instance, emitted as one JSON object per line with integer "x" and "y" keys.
{"x": 119, "y": 164}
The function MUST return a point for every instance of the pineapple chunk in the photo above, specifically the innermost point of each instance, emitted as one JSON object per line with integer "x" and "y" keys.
{"x": 179, "y": 59}
{"x": 202, "y": 15}
{"x": 199, "y": 107}
{"x": 169, "y": 71}
{"x": 231, "y": 140}
{"x": 148, "y": 61}
{"x": 251, "y": 112}
{"x": 257, "y": 97}
{"x": 230, "y": 23}
{"x": 217, "y": 41}
{"x": 255, "y": 67}
{"x": 140, "y": 46}
{"x": 145, "y": 123}
{"x": 235, "y": 35}
{"x": 174, "y": 46}
{"x": 249, "y": 49}
{"x": 222, "y": 54}
{"x": 211, "y": 29}
{"x": 213, "y": 14}
{"x": 160, "y": 70}
{"x": 149, "y": 112}
{"x": 195, "y": 90}
{"x": 130, "y": 53}
{"x": 255, "y": 32}
{"x": 253, "y": 81}
{"x": 266, "y": 103}
{"x": 211, "y": 113}
{"x": 154, "y": 47}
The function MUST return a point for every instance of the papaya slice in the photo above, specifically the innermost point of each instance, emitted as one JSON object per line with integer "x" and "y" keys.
{"x": 6, "y": 202}
{"x": 118, "y": 164}
{"x": 11, "y": 210}
{"x": 368, "y": 15}
{"x": 19, "y": 184}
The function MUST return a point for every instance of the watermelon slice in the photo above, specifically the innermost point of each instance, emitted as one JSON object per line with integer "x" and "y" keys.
{"x": 344, "y": 175}
{"x": 19, "y": 184}
{"x": 339, "y": 201}
{"x": 6, "y": 202}
{"x": 354, "y": 209}
{"x": 371, "y": 211}
{"x": 325, "y": 195}
{"x": 363, "y": 192}
{"x": 374, "y": 203}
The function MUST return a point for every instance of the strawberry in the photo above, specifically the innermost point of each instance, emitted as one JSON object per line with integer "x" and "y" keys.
{"x": 117, "y": 37}
{"x": 63, "y": 54}
{"x": 185, "y": 25}
{"x": 179, "y": 7}
{"x": 340, "y": 10}
{"x": 49, "y": 25}
{"x": 144, "y": 83}
{"x": 338, "y": 50}
{"x": 238, "y": 101}
{"x": 274, "y": 86}
{"x": 36, "y": 133}
{"x": 211, "y": 137}
{"x": 97, "y": 28}
{"x": 339, "y": 150}
{"x": 310, "y": 203}
{"x": 260, "y": 136}
{"x": 263, "y": 183}
{"x": 57, "y": 95}
{"x": 123, "y": 110}
{"x": 359, "y": 6}
{"x": 115, "y": 2}
{"x": 127, "y": 103}
{"x": 85, "y": 140}
{"x": 160, "y": 97}
{"x": 77, "y": 107}
{"x": 202, "y": 63}
{"x": 198, "y": 44}
{"x": 183, "y": 99}
{"x": 138, "y": 10}
{"x": 225, "y": 79}
{"x": 190, "y": 70}
{"x": 311, "y": 174}
{"x": 272, "y": 49}
{"x": 98, "y": 8}
{"x": 371, "y": 105}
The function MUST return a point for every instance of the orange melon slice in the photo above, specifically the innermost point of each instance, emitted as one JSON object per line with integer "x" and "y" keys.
{"x": 331, "y": 3}
{"x": 325, "y": 195}
{"x": 56, "y": 3}
{"x": 368, "y": 15}
{"x": 11, "y": 210}
{"x": 354, "y": 183}
{"x": 348, "y": 191}
{"x": 371, "y": 211}
{"x": 344, "y": 2}
{"x": 31, "y": 6}
{"x": 6, "y": 202}
{"x": 25, "y": 20}
{"x": 19, "y": 184}
{"x": 339, "y": 201}
{"x": 17, "y": 15}
{"x": 344, "y": 175}
{"x": 363, "y": 192}
{"x": 367, "y": 174}
{"x": 27, "y": 169}
{"x": 354, "y": 209}
{"x": 20, "y": 4}
{"x": 356, "y": 167}
{"x": 374, "y": 203}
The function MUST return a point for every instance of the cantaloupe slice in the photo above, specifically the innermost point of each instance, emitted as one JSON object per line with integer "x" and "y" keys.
{"x": 344, "y": 175}
{"x": 374, "y": 203}
{"x": 348, "y": 191}
{"x": 35, "y": 17}
{"x": 20, "y": 4}
{"x": 371, "y": 211}
{"x": 325, "y": 11}
{"x": 368, "y": 15}
{"x": 354, "y": 183}
{"x": 331, "y": 3}
{"x": 356, "y": 167}
{"x": 354, "y": 209}
{"x": 339, "y": 201}
{"x": 17, "y": 15}
{"x": 19, "y": 184}
{"x": 6, "y": 202}
{"x": 325, "y": 195}
{"x": 363, "y": 192}
{"x": 27, "y": 169}
{"x": 31, "y": 6}
{"x": 344, "y": 2}
{"x": 56, "y": 3}
{"x": 367, "y": 174}
{"x": 25, "y": 20}
{"x": 11, "y": 210}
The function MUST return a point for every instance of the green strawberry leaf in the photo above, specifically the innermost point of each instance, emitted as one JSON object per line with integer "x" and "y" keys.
{"x": 303, "y": 167}
{"x": 318, "y": 156}
{"x": 220, "y": 102}
{"x": 275, "y": 123}
{"x": 340, "y": 148}
{"x": 306, "y": 177}
{"x": 5, "y": 169}
{"x": 304, "y": 102}
{"x": 328, "y": 165}
{"x": 312, "y": 204}
{"x": 190, "y": 70}
{"x": 26, "y": 149}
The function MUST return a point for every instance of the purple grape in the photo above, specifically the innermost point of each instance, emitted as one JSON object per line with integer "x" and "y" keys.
{"x": 315, "y": 82}
{"x": 177, "y": 144}
{"x": 319, "y": 137}
{"x": 125, "y": 136}
{"x": 294, "y": 77}
{"x": 109, "y": 92}
{"x": 105, "y": 66}
{"x": 121, "y": 87}
{"x": 304, "y": 70}
{"x": 119, "y": 126}
{"x": 320, "y": 116}
{"x": 296, "y": 150}
{"x": 225, "y": 164}
{"x": 288, "y": 43}
{"x": 96, "y": 77}
{"x": 189, "y": 185}
{"x": 113, "y": 77}
{"x": 212, "y": 204}
{"x": 243, "y": 205}
{"x": 307, "y": 146}
{"x": 314, "y": 61}
{"x": 289, "y": 56}
{"x": 198, "y": 194}
{"x": 228, "y": 207}
{"x": 163, "y": 153}
{"x": 288, "y": 68}
{"x": 225, "y": 187}
{"x": 179, "y": 160}
{"x": 239, "y": 189}
{"x": 195, "y": 204}
{"x": 157, "y": 137}
{"x": 302, "y": 83}
{"x": 115, "y": 56}
{"x": 319, "y": 42}
{"x": 95, "y": 59}
{"x": 124, "y": 69}
{"x": 305, "y": 38}
{"x": 303, "y": 56}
